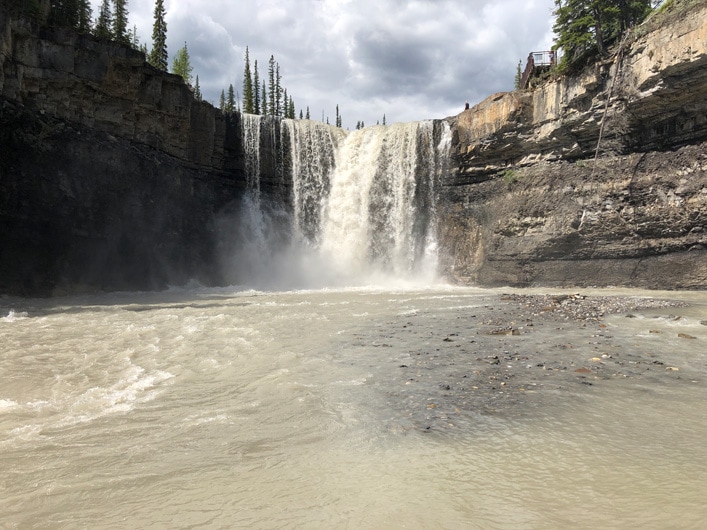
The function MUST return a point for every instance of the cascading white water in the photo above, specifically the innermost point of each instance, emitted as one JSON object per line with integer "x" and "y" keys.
{"x": 313, "y": 146}
{"x": 250, "y": 129}
{"x": 363, "y": 203}
{"x": 380, "y": 215}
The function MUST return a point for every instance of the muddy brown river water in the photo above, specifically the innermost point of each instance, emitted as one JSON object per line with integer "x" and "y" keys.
{"x": 354, "y": 408}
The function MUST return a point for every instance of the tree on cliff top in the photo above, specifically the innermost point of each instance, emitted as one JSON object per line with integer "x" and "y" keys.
{"x": 85, "y": 15}
{"x": 586, "y": 27}
{"x": 105, "y": 22}
{"x": 158, "y": 56}
{"x": 120, "y": 21}
{"x": 197, "y": 90}
{"x": 256, "y": 88}
{"x": 182, "y": 66}
{"x": 248, "y": 101}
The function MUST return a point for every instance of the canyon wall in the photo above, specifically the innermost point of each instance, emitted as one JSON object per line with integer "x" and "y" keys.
{"x": 112, "y": 176}
{"x": 594, "y": 179}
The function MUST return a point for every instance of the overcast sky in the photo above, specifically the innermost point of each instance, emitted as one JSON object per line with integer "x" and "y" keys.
{"x": 408, "y": 59}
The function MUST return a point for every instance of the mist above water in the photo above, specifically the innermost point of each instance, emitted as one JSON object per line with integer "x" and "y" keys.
{"x": 362, "y": 209}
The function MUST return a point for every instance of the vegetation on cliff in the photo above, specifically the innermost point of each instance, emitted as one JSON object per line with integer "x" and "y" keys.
{"x": 585, "y": 28}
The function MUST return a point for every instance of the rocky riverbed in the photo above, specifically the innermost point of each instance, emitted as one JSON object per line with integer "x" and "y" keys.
{"x": 515, "y": 352}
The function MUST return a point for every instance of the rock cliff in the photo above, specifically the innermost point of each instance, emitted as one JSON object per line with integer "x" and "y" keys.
{"x": 593, "y": 179}
{"x": 113, "y": 177}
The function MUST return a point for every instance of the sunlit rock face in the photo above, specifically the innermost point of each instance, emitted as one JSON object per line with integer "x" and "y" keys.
{"x": 528, "y": 203}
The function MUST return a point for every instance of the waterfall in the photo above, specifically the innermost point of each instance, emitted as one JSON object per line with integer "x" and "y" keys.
{"x": 313, "y": 146}
{"x": 381, "y": 212}
{"x": 362, "y": 205}
{"x": 250, "y": 132}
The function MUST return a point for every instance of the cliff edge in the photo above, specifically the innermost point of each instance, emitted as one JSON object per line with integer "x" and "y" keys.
{"x": 593, "y": 179}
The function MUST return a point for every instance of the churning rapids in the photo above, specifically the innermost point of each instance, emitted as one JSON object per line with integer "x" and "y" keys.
{"x": 333, "y": 402}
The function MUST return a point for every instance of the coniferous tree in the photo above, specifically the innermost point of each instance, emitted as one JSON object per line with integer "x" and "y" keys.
{"x": 263, "y": 100}
{"x": 301, "y": 115}
{"x": 256, "y": 89}
{"x": 248, "y": 103}
{"x": 62, "y": 12}
{"x": 292, "y": 108}
{"x": 158, "y": 55}
{"x": 585, "y": 27}
{"x": 120, "y": 21}
{"x": 383, "y": 119}
{"x": 181, "y": 64}
{"x": 197, "y": 90}
{"x": 519, "y": 77}
{"x": 278, "y": 91}
{"x": 307, "y": 115}
{"x": 272, "y": 107}
{"x": 133, "y": 38}
{"x": 284, "y": 111}
{"x": 104, "y": 23}
{"x": 222, "y": 102}
{"x": 230, "y": 100}
{"x": 28, "y": 8}
{"x": 84, "y": 16}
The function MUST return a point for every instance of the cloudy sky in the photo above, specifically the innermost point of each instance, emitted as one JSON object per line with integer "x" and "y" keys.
{"x": 407, "y": 59}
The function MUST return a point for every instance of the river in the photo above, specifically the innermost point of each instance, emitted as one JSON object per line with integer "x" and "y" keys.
{"x": 227, "y": 408}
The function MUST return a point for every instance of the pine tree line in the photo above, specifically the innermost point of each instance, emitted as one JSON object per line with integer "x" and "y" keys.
{"x": 111, "y": 24}
{"x": 269, "y": 99}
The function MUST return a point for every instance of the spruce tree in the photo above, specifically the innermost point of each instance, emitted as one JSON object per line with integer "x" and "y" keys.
{"x": 586, "y": 27}
{"x": 256, "y": 89}
{"x": 133, "y": 38}
{"x": 104, "y": 24}
{"x": 197, "y": 90}
{"x": 292, "y": 108}
{"x": 285, "y": 109}
{"x": 248, "y": 103}
{"x": 230, "y": 100}
{"x": 120, "y": 21}
{"x": 271, "y": 87}
{"x": 222, "y": 102}
{"x": 158, "y": 55}
{"x": 278, "y": 91}
{"x": 182, "y": 66}
{"x": 307, "y": 115}
{"x": 301, "y": 115}
{"x": 519, "y": 77}
{"x": 383, "y": 119}
{"x": 84, "y": 16}
{"x": 263, "y": 100}
{"x": 62, "y": 13}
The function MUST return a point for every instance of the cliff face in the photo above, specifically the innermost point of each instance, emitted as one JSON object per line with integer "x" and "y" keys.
{"x": 527, "y": 203}
{"x": 113, "y": 177}
{"x": 110, "y": 88}
{"x": 649, "y": 95}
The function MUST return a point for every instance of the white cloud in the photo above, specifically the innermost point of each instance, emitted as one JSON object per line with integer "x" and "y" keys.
{"x": 409, "y": 59}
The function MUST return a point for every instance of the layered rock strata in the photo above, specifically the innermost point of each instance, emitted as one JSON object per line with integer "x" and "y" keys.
{"x": 593, "y": 179}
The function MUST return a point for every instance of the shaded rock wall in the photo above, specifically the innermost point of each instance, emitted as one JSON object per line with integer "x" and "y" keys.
{"x": 111, "y": 175}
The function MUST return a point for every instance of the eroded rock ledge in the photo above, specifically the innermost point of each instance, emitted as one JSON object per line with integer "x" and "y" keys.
{"x": 527, "y": 203}
{"x": 651, "y": 94}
